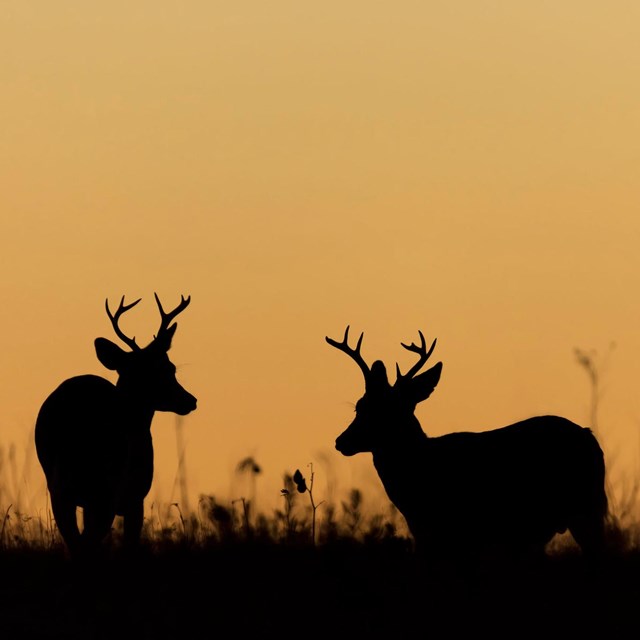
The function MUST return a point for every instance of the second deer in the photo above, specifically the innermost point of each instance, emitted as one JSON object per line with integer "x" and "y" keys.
{"x": 506, "y": 490}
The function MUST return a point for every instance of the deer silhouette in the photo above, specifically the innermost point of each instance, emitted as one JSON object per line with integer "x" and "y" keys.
{"x": 93, "y": 438}
{"x": 505, "y": 491}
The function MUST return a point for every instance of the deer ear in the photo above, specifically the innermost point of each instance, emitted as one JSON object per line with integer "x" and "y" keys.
{"x": 422, "y": 386}
{"x": 109, "y": 353}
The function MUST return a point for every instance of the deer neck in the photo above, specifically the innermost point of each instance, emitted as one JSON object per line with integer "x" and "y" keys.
{"x": 400, "y": 452}
{"x": 136, "y": 415}
{"x": 400, "y": 462}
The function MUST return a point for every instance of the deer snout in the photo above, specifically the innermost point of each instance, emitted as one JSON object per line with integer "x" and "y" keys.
{"x": 342, "y": 446}
{"x": 189, "y": 403}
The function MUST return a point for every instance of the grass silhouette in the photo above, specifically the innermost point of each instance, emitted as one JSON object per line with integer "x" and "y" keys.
{"x": 212, "y": 571}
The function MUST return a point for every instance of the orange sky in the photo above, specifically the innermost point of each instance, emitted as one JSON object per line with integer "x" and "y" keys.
{"x": 468, "y": 169}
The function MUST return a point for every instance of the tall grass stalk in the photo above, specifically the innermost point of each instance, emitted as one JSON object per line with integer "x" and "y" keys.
{"x": 301, "y": 484}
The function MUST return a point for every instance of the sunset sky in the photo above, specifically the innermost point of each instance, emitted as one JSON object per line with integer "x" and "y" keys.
{"x": 465, "y": 168}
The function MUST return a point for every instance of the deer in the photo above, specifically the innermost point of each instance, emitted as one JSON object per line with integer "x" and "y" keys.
{"x": 93, "y": 437}
{"x": 502, "y": 493}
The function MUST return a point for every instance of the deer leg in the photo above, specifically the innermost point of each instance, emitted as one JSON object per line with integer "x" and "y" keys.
{"x": 64, "y": 512}
{"x": 588, "y": 532}
{"x": 97, "y": 524}
{"x": 133, "y": 518}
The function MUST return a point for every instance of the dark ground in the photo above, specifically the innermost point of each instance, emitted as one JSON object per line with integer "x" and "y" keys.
{"x": 336, "y": 591}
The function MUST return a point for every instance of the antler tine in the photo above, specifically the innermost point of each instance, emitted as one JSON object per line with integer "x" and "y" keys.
{"x": 167, "y": 318}
{"x": 421, "y": 351}
{"x": 354, "y": 354}
{"x": 122, "y": 308}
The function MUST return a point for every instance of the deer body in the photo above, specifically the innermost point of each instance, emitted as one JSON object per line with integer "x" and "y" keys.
{"x": 89, "y": 454}
{"x": 514, "y": 487}
{"x": 508, "y": 489}
{"x": 93, "y": 438}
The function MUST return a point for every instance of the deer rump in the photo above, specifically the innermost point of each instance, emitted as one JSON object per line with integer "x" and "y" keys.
{"x": 513, "y": 487}
{"x": 92, "y": 456}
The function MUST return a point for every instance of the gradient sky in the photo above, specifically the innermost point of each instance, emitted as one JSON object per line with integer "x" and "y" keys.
{"x": 468, "y": 169}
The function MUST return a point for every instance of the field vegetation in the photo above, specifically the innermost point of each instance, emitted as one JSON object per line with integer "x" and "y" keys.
{"x": 310, "y": 569}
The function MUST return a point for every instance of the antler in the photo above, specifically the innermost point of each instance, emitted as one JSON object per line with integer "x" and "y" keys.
{"x": 421, "y": 351}
{"x": 131, "y": 342}
{"x": 352, "y": 353}
{"x": 167, "y": 318}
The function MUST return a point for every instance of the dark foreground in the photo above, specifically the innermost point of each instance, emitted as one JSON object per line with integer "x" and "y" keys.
{"x": 336, "y": 591}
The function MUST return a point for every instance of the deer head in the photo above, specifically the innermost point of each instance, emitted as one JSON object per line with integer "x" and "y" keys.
{"x": 146, "y": 375}
{"x": 385, "y": 413}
